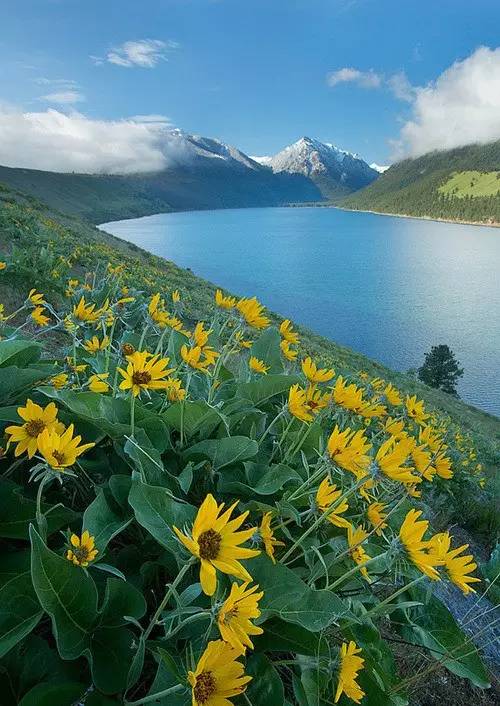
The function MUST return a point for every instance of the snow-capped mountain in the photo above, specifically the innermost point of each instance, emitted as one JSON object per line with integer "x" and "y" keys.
{"x": 336, "y": 172}
{"x": 379, "y": 167}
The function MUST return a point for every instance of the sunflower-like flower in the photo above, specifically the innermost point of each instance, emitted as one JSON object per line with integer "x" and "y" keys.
{"x": 423, "y": 462}
{"x": 83, "y": 551}
{"x": 61, "y": 450}
{"x": 297, "y": 404}
{"x": 224, "y": 302}
{"x": 215, "y": 541}
{"x": 39, "y": 317}
{"x": 350, "y": 666}
{"x": 93, "y": 345}
{"x": 390, "y": 458}
{"x": 442, "y": 464}
{"x": 315, "y": 374}
{"x": 376, "y": 513}
{"x": 176, "y": 296}
{"x": 315, "y": 399}
{"x": 347, "y": 395}
{"x": 3, "y": 265}
{"x": 36, "y": 420}
{"x": 258, "y": 366}
{"x": 59, "y": 380}
{"x": 415, "y": 409}
{"x": 457, "y": 567}
{"x": 98, "y": 383}
{"x": 287, "y": 332}
{"x": 201, "y": 334}
{"x": 218, "y": 676}
{"x": 235, "y": 616}
{"x": 392, "y": 395}
{"x": 36, "y": 298}
{"x": 411, "y": 536}
{"x": 252, "y": 312}
{"x": 349, "y": 449}
{"x": 267, "y": 535}
{"x": 175, "y": 391}
{"x": 86, "y": 313}
{"x": 287, "y": 350}
{"x": 198, "y": 358}
{"x": 326, "y": 495}
{"x": 355, "y": 538}
{"x": 144, "y": 372}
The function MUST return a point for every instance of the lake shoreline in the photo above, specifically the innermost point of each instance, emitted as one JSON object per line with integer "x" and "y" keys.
{"x": 417, "y": 218}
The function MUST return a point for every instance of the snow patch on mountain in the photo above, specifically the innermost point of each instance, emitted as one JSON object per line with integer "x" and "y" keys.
{"x": 379, "y": 167}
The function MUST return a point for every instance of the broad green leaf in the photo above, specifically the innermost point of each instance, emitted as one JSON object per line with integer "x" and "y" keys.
{"x": 147, "y": 460}
{"x": 225, "y": 451}
{"x": 434, "y": 627}
{"x": 267, "y": 348}
{"x": 280, "y": 636}
{"x": 192, "y": 415}
{"x": 157, "y": 511}
{"x": 20, "y": 611}
{"x": 266, "y": 687}
{"x": 112, "y": 654}
{"x": 18, "y": 512}
{"x": 19, "y": 352}
{"x": 262, "y": 390}
{"x": 104, "y": 519}
{"x": 53, "y": 694}
{"x": 16, "y": 382}
{"x": 260, "y": 479}
{"x": 286, "y": 596}
{"x": 67, "y": 594}
{"x": 121, "y": 599}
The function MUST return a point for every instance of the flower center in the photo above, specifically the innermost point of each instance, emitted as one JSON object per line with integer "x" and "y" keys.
{"x": 59, "y": 456}
{"x": 81, "y": 553}
{"x": 209, "y": 543}
{"x": 204, "y": 688}
{"x": 312, "y": 404}
{"x": 141, "y": 377}
{"x": 128, "y": 349}
{"x": 35, "y": 427}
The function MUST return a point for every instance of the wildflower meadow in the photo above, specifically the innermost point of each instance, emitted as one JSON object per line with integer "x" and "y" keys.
{"x": 193, "y": 512}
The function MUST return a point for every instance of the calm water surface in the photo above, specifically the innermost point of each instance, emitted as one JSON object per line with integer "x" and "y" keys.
{"x": 387, "y": 287}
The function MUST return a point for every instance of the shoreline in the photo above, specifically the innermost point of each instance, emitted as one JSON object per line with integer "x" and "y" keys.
{"x": 418, "y": 218}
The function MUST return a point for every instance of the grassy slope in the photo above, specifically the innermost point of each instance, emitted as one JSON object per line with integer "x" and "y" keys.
{"x": 27, "y": 226}
{"x": 413, "y": 187}
{"x": 470, "y": 183}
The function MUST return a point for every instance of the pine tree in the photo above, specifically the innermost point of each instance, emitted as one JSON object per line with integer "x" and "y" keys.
{"x": 441, "y": 369}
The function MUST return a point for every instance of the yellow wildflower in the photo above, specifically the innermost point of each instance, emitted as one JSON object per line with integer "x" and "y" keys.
{"x": 258, "y": 366}
{"x": 411, "y": 535}
{"x": 457, "y": 567}
{"x": 267, "y": 535}
{"x": 39, "y": 317}
{"x": 326, "y": 496}
{"x": 218, "y": 676}
{"x": 251, "y": 310}
{"x": 94, "y": 345}
{"x": 36, "y": 419}
{"x": 297, "y": 404}
{"x": 61, "y": 450}
{"x": 59, "y": 381}
{"x": 350, "y": 666}
{"x": 287, "y": 350}
{"x": 315, "y": 374}
{"x": 376, "y": 515}
{"x": 415, "y": 409}
{"x": 97, "y": 383}
{"x": 355, "y": 538}
{"x": 287, "y": 332}
{"x": 235, "y": 615}
{"x": 215, "y": 541}
{"x": 83, "y": 550}
{"x": 143, "y": 374}
{"x": 224, "y": 302}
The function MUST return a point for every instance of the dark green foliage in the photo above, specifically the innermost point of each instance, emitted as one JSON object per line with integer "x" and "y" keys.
{"x": 441, "y": 370}
{"x": 411, "y": 187}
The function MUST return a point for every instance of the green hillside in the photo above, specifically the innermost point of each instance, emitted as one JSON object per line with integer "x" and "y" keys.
{"x": 460, "y": 184}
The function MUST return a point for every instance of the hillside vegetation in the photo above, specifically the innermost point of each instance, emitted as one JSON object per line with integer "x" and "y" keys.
{"x": 459, "y": 184}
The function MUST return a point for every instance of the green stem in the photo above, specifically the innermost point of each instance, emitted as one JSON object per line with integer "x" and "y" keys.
{"x": 166, "y": 597}
{"x": 155, "y": 697}
{"x": 187, "y": 621}
{"x": 40, "y": 517}
{"x": 270, "y": 425}
{"x": 354, "y": 570}
{"x": 132, "y": 414}
{"x": 283, "y": 437}
{"x": 397, "y": 593}
{"x": 294, "y": 449}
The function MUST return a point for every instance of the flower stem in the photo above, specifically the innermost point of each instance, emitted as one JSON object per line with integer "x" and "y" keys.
{"x": 132, "y": 414}
{"x": 166, "y": 598}
{"x": 154, "y": 697}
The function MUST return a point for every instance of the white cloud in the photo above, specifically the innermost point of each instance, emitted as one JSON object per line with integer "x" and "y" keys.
{"x": 400, "y": 87}
{"x": 462, "y": 106}
{"x": 364, "y": 79}
{"x": 64, "y": 97}
{"x": 146, "y": 53}
{"x": 55, "y": 141}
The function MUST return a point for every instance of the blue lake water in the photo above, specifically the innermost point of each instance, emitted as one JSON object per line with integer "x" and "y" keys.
{"x": 387, "y": 287}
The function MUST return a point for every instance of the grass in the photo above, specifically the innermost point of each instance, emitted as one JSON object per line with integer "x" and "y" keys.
{"x": 38, "y": 240}
{"x": 471, "y": 183}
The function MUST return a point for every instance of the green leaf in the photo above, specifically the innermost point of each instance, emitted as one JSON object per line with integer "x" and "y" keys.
{"x": 266, "y": 387}
{"x": 147, "y": 460}
{"x": 197, "y": 415}
{"x": 157, "y": 511}
{"x": 19, "y": 352}
{"x": 279, "y": 636}
{"x": 434, "y": 627}
{"x": 289, "y": 598}
{"x": 18, "y": 512}
{"x": 261, "y": 479}
{"x": 121, "y": 599}
{"x": 67, "y": 594}
{"x": 53, "y": 694}
{"x": 225, "y": 451}
{"x": 267, "y": 348}
{"x": 112, "y": 655}
{"x": 20, "y": 611}
{"x": 16, "y": 382}
{"x": 266, "y": 687}
{"x": 104, "y": 519}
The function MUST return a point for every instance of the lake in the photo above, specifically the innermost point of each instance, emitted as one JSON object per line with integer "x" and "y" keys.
{"x": 387, "y": 287}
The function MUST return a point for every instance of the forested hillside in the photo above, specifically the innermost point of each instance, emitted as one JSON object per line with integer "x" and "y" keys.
{"x": 455, "y": 184}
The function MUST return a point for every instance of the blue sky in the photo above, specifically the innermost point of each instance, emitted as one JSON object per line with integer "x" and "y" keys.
{"x": 253, "y": 74}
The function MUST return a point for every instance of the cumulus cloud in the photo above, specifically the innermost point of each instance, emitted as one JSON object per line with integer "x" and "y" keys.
{"x": 64, "y": 97}
{"x": 462, "y": 106}
{"x": 145, "y": 53}
{"x": 55, "y": 141}
{"x": 364, "y": 79}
